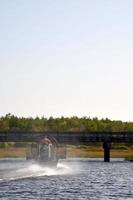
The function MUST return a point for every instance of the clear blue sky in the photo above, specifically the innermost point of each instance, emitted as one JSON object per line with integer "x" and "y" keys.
{"x": 66, "y": 58}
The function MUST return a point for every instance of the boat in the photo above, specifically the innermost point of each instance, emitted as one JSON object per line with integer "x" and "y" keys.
{"x": 45, "y": 152}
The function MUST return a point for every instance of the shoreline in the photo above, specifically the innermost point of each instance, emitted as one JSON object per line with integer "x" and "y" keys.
{"x": 72, "y": 151}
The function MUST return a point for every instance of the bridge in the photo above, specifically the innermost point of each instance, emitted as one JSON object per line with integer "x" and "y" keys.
{"x": 71, "y": 138}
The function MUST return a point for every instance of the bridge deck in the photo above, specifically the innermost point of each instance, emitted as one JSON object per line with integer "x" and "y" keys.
{"x": 67, "y": 137}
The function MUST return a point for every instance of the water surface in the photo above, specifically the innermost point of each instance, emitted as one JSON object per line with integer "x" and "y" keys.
{"x": 72, "y": 179}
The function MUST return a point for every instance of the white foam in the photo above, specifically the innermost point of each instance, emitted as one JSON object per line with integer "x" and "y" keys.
{"x": 35, "y": 170}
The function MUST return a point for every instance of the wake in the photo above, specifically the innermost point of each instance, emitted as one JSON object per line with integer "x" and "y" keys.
{"x": 34, "y": 170}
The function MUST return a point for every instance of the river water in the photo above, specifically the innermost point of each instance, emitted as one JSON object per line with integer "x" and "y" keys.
{"x": 72, "y": 179}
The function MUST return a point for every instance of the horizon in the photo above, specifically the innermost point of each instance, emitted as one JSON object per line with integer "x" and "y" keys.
{"x": 59, "y": 117}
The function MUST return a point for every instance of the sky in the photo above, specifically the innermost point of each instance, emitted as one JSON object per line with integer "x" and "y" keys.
{"x": 66, "y": 58}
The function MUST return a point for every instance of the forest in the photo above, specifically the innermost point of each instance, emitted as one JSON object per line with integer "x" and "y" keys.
{"x": 12, "y": 122}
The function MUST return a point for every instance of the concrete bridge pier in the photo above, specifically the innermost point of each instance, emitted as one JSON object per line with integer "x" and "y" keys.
{"x": 106, "y": 146}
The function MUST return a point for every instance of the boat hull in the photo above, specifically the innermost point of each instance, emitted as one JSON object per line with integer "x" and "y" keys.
{"x": 50, "y": 164}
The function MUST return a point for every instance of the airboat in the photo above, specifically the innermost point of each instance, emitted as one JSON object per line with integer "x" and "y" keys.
{"x": 46, "y": 152}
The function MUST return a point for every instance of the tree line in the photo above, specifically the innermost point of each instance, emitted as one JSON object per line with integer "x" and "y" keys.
{"x": 12, "y": 122}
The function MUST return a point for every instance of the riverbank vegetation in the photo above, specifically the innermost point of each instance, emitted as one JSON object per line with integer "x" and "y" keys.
{"x": 11, "y": 122}
{"x": 72, "y": 151}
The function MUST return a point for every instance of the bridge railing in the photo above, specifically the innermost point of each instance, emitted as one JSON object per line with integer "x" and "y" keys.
{"x": 67, "y": 137}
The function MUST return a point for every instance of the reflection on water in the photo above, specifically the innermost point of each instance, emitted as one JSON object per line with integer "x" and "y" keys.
{"x": 72, "y": 179}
